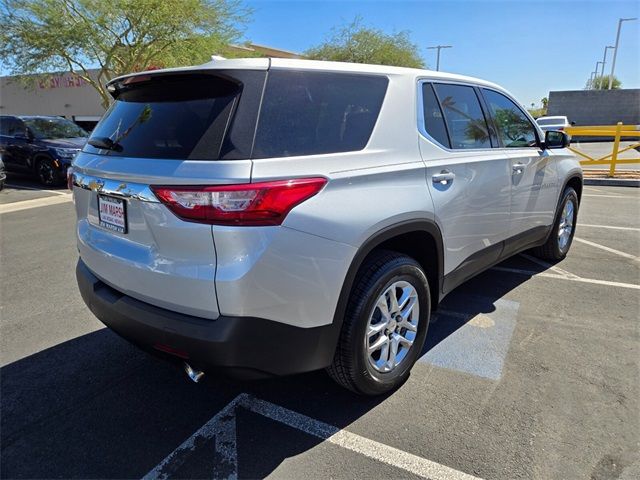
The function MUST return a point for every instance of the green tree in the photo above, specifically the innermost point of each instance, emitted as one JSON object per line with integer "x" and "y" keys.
{"x": 357, "y": 43}
{"x": 114, "y": 36}
{"x": 602, "y": 83}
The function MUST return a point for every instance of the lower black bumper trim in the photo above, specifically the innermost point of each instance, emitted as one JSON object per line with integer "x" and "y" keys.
{"x": 237, "y": 344}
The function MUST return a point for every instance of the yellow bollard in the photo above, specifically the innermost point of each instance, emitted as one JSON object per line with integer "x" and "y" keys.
{"x": 616, "y": 147}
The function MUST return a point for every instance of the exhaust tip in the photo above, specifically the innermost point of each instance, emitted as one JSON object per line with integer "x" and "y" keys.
{"x": 193, "y": 374}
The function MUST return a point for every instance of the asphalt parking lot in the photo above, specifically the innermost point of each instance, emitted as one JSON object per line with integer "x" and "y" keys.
{"x": 530, "y": 371}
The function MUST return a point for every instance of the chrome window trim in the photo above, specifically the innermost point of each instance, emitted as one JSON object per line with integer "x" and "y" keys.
{"x": 420, "y": 117}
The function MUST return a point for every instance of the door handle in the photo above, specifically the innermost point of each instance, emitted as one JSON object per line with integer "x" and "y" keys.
{"x": 445, "y": 177}
{"x": 518, "y": 168}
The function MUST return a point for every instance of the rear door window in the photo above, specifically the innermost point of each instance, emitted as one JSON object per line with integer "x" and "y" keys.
{"x": 168, "y": 117}
{"x": 9, "y": 127}
{"x": 463, "y": 114}
{"x": 433, "y": 118}
{"x": 310, "y": 113}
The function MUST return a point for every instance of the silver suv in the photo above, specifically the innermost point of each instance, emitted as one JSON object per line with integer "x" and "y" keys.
{"x": 271, "y": 217}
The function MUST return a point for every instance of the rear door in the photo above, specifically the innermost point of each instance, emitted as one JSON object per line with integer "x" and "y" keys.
{"x": 188, "y": 128}
{"x": 534, "y": 179}
{"x": 14, "y": 143}
{"x": 469, "y": 180}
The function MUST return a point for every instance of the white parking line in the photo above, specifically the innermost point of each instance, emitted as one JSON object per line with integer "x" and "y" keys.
{"x": 222, "y": 428}
{"x": 609, "y": 196}
{"x": 20, "y": 187}
{"x": 607, "y": 249}
{"x": 34, "y": 203}
{"x": 609, "y": 227}
{"x": 547, "y": 265}
{"x": 532, "y": 273}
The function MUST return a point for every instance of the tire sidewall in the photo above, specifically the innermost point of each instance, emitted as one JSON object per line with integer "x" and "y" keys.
{"x": 368, "y": 379}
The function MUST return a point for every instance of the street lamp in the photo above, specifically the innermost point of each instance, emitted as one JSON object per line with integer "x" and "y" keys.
{"x": 615, "y": 51}
{"x": 604, "y": 58}
{"x": 438, "y": 47}
{"x": 592, "y": 80}
{"x": 595, "y": 78}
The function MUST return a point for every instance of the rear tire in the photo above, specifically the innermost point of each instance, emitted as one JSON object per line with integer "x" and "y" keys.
{"x": 384, "y": 278}
{"x": 559, "y": 242}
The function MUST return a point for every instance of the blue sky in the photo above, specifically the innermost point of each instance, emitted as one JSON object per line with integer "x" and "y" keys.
{"x": 529, "y": 47}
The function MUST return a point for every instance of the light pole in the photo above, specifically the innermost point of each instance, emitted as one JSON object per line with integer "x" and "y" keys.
{"x": 438, "y": 47}
{"x": 595, "y": 78}
{"x": 590, "y": 81}
{"x": 615, "y": 51}
{"x": 604, "y": 59}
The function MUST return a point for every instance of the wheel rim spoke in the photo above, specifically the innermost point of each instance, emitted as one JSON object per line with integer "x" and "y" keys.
{"x": 376, "y": 328}
{"x": 381, "y": 342}
{"x": 393, "y": 352}
{"x": 393, "y": 326}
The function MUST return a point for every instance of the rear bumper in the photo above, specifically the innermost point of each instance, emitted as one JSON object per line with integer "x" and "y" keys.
{"x": 243, "y": 346}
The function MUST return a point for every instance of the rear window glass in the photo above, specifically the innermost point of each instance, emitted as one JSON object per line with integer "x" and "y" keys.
{"x": 309, "y": 113}
{"x": 170, "y": 117}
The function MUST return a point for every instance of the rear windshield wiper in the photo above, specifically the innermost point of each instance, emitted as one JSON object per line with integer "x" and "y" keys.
{"x": 105, "y": 143}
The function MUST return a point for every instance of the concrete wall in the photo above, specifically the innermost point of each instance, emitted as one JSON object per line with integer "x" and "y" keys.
{"x": 597, "y": 107}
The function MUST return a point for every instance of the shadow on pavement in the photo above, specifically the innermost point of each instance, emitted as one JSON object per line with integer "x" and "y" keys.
{"x": 96, "y": 407}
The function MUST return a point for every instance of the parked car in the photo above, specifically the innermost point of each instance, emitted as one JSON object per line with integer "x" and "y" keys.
{"x": 310, "y": 218}
{"x": 554, "y": 123}
{"x": 3, "y": 175}
{"x": 39, "y": 145}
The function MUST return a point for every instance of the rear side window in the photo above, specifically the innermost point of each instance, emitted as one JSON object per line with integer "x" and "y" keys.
{"x": 11, "y": 126}
{"x": 463, "y": 115}
{"x": 169, "y": 116}
{"x": 514, "y": 128}
{"x": 310, "y": 113}
{"x": 433, "y": 119}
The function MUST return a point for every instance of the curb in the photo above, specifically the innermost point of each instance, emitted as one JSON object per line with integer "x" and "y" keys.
{"x": 613, "y": 182}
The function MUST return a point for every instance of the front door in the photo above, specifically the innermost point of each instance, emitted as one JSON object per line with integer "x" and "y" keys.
{"x": 469, "y": 181}
{"x": 534, "y": 179}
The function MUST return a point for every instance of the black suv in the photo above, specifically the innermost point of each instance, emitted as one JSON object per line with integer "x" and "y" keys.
{"x": 44, "y": 146}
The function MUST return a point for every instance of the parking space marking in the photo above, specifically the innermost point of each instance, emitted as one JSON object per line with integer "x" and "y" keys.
{"x": 531, "y": 273}
{"x": 607, "y": 249}
{"x": 609, "y": 227}
{"x": 472, "y": 342}
{"x": 607, "y": 196}
{"x": 222, "y": 429}
{"x": 35, "y": 203}
{"x": 21, "y": 187}
{"x": 547, "y": 265}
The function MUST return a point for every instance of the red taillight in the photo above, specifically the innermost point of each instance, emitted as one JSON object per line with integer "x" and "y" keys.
{"x": 251, "y": 204}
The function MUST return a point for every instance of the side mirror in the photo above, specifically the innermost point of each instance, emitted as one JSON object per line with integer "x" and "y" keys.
{"x": 573, "y": 123}
{"x": 556, "y": 139}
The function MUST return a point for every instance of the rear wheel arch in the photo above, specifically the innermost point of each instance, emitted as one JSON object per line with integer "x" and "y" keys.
{"x": 419, "y": 239}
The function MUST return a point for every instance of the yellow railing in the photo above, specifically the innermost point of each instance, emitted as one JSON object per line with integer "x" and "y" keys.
{"x": 615, "y": 131}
